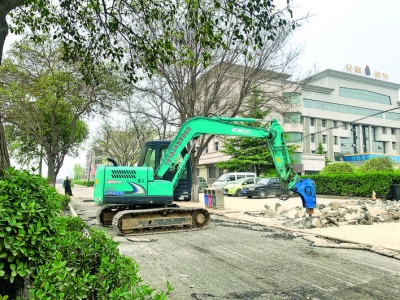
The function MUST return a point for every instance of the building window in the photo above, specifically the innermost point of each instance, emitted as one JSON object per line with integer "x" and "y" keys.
{"x": 293, "y": 98}
{"x": 293, "y": 137}
{"x": 312, "y": 122}
{"x": 313, "y": 138}
{"x": 211, "y": 172}
{"x": 364, "y": 95}
{"x": 323, "y": 139}
{"x": 347, "y": 109}
{"x": 216, "y": 146}
{"x": 345, "y": 126}
{"x": 393, "y": 130}
{"x": 323, "y": 123}
{"x": 383, "y": 130}
{"x": 292, "y": 118}
{"x": 335, "y": 140}
{"x": 335, "y": 124}
{"x": 394, "y": 146}
{"x": 206, "y": 149}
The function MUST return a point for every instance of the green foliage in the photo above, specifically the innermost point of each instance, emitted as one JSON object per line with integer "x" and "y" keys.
{"x": 357, "y": 184}
{"x": 90, "y": 268}
{"x": 339, "y": 168}
{"x": 65, "y": 200}
{"x": 78, "y": 171}
{"x": 44, "y": 101}
{"x": 39, "y": 245}
{"x": 320, "y": 149}
{"x": 84, "y": 182}
{"x": 249, "y": 154}
{"x": 140, "y": 35}
{"x": 377, "y": 164}
{"x": 29, "y": 211}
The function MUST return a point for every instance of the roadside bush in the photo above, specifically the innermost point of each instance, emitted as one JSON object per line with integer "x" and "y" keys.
{"x": 378, "y": 164}
{"x": 90, "y": 268}
{"x": 47, "y": 256}
{"x": 65, "y": 200}
{"x": 339, "y": 168}
{"x": 358, "y": 184}
{"x": 84, "y": 182}
{"x": 28, "y": 222}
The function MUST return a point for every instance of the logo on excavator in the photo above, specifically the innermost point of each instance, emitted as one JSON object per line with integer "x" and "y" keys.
{"x": 239, "y": 130}
{"x": 176, "y": 145}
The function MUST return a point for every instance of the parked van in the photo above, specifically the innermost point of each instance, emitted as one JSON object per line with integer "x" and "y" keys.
{"x": 224, "y": 179}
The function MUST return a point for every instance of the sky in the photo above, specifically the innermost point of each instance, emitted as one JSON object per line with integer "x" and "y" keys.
{"x": 349, "y": 32}
{"x": 337, "y": 33}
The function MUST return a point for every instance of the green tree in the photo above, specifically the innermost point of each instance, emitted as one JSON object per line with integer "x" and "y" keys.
{"x": 122, "y": 32}
{"x": 321, "y": 150}
{"x": 78, "y": 172}
{"x": 45, "y": 99}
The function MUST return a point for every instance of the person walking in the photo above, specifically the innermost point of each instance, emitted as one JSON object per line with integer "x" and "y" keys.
{"x": 67, "y": 186}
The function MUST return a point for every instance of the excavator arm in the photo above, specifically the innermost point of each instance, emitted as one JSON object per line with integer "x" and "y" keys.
{"x": 274, "y": 135}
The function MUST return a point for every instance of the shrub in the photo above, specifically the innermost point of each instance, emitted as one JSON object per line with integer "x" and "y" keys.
{"x": 339, "y": 168}
{"x": 84, "y": 182}
{"x": 28, "y": 222}
{"x": 50, "y": 255}
{"x": 358, "y": 184}
{"x": 90, "y": 268}
{"x": 378, "y": 164}
{"x": 65, "y": 200}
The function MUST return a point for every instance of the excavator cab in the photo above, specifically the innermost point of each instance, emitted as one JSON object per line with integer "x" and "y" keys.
{"x": 150, "y": 156}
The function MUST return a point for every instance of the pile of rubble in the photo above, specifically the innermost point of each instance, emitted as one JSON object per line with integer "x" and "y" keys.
{"x": 352, "y": 212}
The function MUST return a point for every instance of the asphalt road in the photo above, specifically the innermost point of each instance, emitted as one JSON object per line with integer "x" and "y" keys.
{"x": 239, "y": 260}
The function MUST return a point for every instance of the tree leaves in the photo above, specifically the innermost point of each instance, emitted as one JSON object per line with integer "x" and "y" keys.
{"x": 138, "y": 35}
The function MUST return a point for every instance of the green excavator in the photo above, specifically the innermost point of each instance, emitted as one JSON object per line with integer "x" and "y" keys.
{"x": 142, "y": 199}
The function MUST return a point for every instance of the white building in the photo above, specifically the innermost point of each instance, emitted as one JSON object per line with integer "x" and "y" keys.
{"x": 356, "y": 117}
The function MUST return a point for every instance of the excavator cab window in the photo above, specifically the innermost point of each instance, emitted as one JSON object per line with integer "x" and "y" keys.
{"x": 150, "y": 157}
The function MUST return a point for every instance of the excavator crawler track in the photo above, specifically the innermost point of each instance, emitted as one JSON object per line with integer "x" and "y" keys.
{"x": 106, "y": 213}
{"x": 160, "y": 220}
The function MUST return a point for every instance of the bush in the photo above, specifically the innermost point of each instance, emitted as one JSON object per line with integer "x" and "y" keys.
{"x": 358, "y": 184}
{"x": 339, "y": 168}
{"x": 378, "y": 164}
{"x": 49, "y": 254}
{"x": 28, "y": 222}
{"x": 84, "y": 182}
{"x": 90, "y": 268}
{"x": 65, "y": 200}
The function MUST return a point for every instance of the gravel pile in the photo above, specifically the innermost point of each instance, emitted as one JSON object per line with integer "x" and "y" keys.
{"x": 352, "y": 212}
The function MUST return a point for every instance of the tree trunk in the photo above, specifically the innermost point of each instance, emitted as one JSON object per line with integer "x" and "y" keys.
{"x": 4, "y": 158}
{"x": 5, "y": 7}
{"x": 51, "y": 173}
{"x": 195, "y": 185}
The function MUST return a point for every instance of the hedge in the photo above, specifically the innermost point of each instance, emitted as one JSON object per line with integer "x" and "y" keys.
{"x": 84, "y": 182}
{"x": 359, "y": 184}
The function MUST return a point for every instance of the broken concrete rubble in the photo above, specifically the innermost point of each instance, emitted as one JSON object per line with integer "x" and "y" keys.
{"x": 351, "y": 212}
